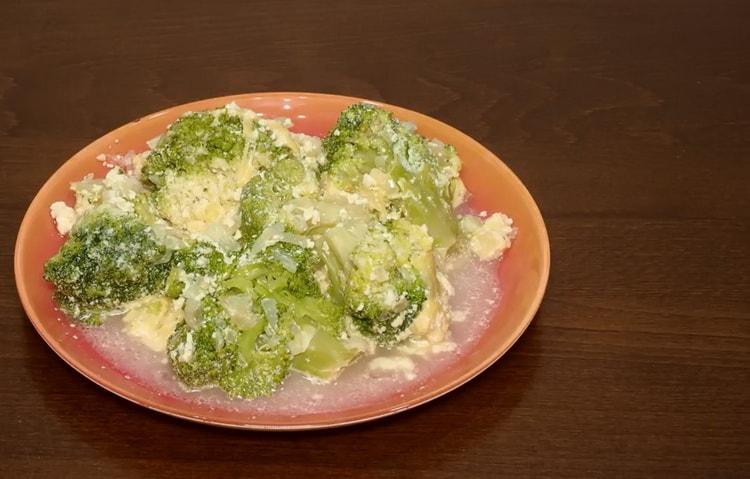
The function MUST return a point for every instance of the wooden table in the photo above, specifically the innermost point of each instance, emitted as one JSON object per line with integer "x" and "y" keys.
{"x": 629, "y": 122}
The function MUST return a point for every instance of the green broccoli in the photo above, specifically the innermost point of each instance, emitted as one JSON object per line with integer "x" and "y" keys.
{"x": 277, "y": 268}
{"x": 144, "y": 208}
{"x": 245, "y": 363}
{"x": 381, "y": 288}
{"x": 265, "y": 194}
{"x": 283, "y": 275}
{"x": 265, "y": 363}
{"x": 300, "y": 302}
{"x": 197, "y": 258}
{"x": 196, "y": 142}
{"x": 197, "y": 168}
{"x": 251, "y": 358}
{"x": 107, "y": 261}
{"x": 325, "y": 355}
{"x": 200, "y": 356}
{"x": 367, "y": 137}
{"x": 203, "y": 258}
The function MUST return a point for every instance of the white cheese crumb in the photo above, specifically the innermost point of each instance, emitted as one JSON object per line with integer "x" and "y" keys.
{"x": 152, "y": 320}
{"x": 489, "y": 240}
{"x": 393, "y": 365}
{"x": 368, "y": 180}
{"x": 444, "y": 347}
{"x": 379, "y": 274}
{"x": 64, "y": 216}
{"x": 390, "y": 297}
{"x": 186, "y": 349}
{"x": 424, "y": 348}
{"x": 321, "y": 277}
{"x": 458, "y": 316}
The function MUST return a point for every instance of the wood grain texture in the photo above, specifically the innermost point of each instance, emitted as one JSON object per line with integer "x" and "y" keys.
{"x": 629, "y": 121}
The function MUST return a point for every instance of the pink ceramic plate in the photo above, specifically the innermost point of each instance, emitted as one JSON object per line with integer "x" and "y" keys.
{"x": 523, "y": 272}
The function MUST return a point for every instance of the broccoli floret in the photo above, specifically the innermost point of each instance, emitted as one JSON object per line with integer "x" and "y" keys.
{"x": 197, "y": 258}
{"x": 301, "y": 303}
{"x": 282, "y": 278}
{"x": 196, "y": 142}
{"x": 251, "y": 359}
{"x": 267, "y": 192}
{"x": 265, "y": 363}
{"x": 283, "y": 271}
{"x": 197, "y": 169}
{"x": 201, "y": 356}
{"x": 107, "y": 261}
{"x": 367, "y": 137}
{"x": 387, "y": 321}
{"x": 245, "y": 363}
{"x": 381, "y": 289}
{"x": 357, "y": 144}
{"x": 202, "y": 258}
{"x": 319, "y": 312}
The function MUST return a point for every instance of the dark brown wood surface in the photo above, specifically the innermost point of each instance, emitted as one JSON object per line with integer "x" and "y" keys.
{"x": 629, "y": 121}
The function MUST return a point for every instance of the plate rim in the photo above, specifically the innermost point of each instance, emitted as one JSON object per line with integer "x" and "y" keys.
{"x": 430, "y": 394}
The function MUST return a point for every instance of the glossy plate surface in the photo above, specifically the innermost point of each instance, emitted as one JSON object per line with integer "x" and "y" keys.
{"x": 523, "y": 272}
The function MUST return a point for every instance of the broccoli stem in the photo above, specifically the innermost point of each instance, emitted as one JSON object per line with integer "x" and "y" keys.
{"x": 423, "y": 205}
{"x": 324, "y": 357}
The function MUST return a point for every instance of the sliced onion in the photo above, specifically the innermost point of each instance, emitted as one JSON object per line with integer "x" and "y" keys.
{"x": 271, "y": 310}
{"x": 192, "y": 306}
{"x": 286, "y": 261}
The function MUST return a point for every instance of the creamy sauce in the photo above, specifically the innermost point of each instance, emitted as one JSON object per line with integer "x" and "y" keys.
{"x": 477, "y": 294}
